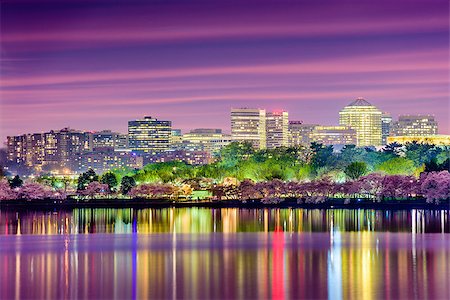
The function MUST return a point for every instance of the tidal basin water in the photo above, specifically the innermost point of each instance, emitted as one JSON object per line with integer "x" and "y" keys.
{"x": 200, "y": 253}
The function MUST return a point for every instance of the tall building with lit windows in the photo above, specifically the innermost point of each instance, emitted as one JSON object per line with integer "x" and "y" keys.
{"x": 277, "y": 129}
{"x": 249, "y": 125}
{"x": 109, "y": 139}
{"x": 53, "y": 150}
{"x": 414, "y": 125}
{"x": 365, "y": 119}
{"x": 386, "y": 123}
{"x": 149, "y": 135}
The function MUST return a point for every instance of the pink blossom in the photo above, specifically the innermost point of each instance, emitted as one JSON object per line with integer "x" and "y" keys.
{"x": 436, "y": 186}
{"x": 33, "y": 191}
{"x": 95, "y": 188}
{"x": 6, "y": 193}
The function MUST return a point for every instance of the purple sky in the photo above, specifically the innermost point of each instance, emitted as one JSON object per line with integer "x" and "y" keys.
{"x": 97, "y": 64}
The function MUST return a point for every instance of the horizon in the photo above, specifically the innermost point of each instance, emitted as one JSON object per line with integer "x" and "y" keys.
{"x": 95, "y": 65}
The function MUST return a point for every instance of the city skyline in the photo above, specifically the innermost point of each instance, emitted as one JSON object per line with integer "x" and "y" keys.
{"x": 228, "y": 127}
{"x": 67, "y": 64}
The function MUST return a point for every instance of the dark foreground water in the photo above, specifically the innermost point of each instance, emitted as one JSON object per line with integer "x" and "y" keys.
{"x": 200, "y": 253}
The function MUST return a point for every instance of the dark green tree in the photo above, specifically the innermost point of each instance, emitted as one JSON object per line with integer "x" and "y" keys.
{"x": 434, "y": 166}
{"x": 420, "y": 153}
{"x": 322, "y": 156}
{"x": 85, "y": 178}
{"x": 234, "y": 152}
{"x": 127, "y": 184}
{"x": 393, "y": 149}
{"x": 110, "y": 179}
{"x": 15, "y": 182}
{"x": 356, "y": 169}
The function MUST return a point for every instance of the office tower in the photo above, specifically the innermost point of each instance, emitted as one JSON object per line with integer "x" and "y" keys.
{"x": 299, "y": 133}
{"x": 149, "y": 135}
{"x": 205, "y": 139}
{"x": 386, "y": 122}
{"x": 176, "y": 138}
{"x": 277, "y": 126}
{"x": 109, "y": 139}
{"x": 334, "y": 135}
{"x": 414, "y": 125}
{"x": 122, "y": 141}
{"x": 249, "y": 125}
{"x": 365, "y": 119}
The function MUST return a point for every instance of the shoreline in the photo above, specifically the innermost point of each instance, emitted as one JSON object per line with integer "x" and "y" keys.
{"x": 160, "y": 203}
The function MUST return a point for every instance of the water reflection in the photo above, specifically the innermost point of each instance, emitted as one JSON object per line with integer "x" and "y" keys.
{"x": 227, "y": 220}
{"x": 336, "y": 265}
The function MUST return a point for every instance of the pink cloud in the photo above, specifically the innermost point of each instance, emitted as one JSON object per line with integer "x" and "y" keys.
{"x": 431, "y": 60}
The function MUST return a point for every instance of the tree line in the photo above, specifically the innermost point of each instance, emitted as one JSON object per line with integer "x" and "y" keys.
{"x": 310, "y": 173}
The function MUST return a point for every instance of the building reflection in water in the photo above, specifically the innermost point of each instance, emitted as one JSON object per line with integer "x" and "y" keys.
{"x": 196, "y": 253}
{"x": 226, "y": 220}
{"x": 256, "y": 265}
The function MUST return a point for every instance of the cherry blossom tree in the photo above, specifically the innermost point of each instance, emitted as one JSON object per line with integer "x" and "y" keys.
{"x": 435, "y": 186}
{"x": 156, "y": 190}
{"x": 6, "y": 193}
{"x": 95, "y": 189}
{"x": 33, "y": 191}
{"x": 371, "y": 185}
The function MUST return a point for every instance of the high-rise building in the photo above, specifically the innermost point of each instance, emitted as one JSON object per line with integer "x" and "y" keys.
{"x": 109, "y": 139}
{"x": 16, "y": 149}
{"x": 64, "y": 145}
{"x": 334, "y": 135}
{"x": 149, "y": 135}
{"x": 205, "y": 139}
{"x": 299, "y": 133}
{"x": 386, "y": 122}
{"x": 414, "y": 125}
{"x": 54, "y": 149}
{"x": 176, "y": 138}
{"x": 365, "y": 119}
{"x": 277, "y": 129}
{"x": 249, "y": 125}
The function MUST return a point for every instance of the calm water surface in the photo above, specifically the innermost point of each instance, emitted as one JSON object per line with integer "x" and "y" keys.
{"x": 200, "y": 253}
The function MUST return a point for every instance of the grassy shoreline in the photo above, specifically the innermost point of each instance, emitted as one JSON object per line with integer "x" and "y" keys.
{"x": 164, "y": 203}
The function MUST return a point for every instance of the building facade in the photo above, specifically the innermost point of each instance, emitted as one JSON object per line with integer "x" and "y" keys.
{"x": 109, "y": 139}
{"x": 205, "y": 139}
{"x": 249, "y": 125}
{"x": 107, "y": 159}
{"x": 277, "y": 129}
{"x": 149, "y": 135}
{"x": 414, "y": 125}
{"x": 365, "y": 119}
{"x": 437, "y": 139}
{"x": 299, "y": 133}
{"x": 194, "y": 157}
{"x": 334, "y": 135}
{"x": 53, "y": 150}
{"x": 386, "y": 123}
